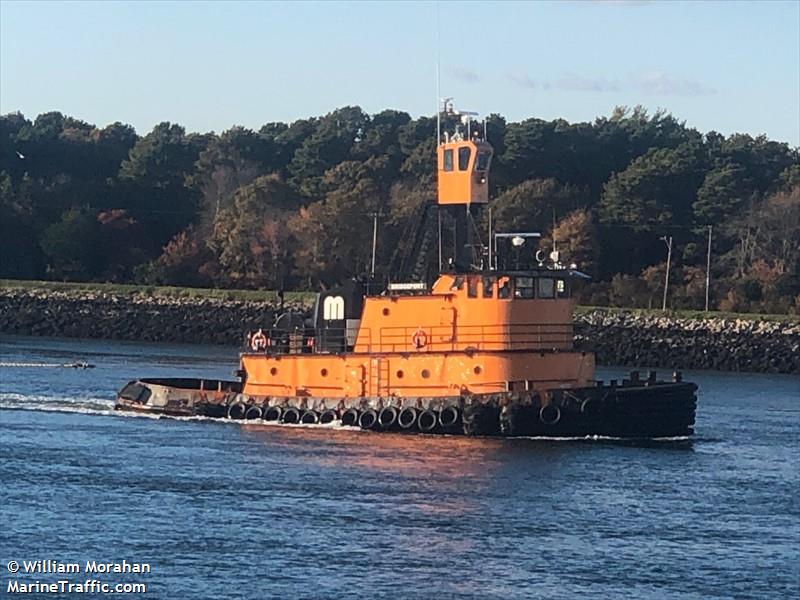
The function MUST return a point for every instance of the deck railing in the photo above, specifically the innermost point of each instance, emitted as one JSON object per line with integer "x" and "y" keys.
{"x": 431, "y": 338}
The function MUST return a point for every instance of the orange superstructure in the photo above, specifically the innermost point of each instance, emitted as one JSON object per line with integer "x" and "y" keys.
{"x": 463, "y": 172}
{"x": 473, "y": 331}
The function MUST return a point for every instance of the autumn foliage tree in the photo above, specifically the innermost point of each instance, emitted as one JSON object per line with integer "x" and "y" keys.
{"x": 292, "y": 204}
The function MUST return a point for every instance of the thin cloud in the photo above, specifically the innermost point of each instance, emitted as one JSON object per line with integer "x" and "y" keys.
{"x": 577, "y": 83}
{"x": 528, "y": 82}
{"x": 650, "y": 82}
{"x": 660, "y": 83}
{"x": 464, "y": 74}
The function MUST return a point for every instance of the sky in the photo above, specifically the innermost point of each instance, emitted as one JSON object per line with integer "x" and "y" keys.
{"x": 723, "y": 66}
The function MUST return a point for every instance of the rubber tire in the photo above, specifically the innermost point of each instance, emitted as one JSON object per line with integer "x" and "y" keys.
{"x": 550, "y": 420}
{"x": 237, "y": 411}
{"x": 328, "y": 416}
{"x": 350, "y": 417}
{"x": 310, "y": 417}
{"x": 387, "y": 417}
{"x": 291, "y": 416}
{"x": 430, "y": 421}
{"x": 273, "y": 413}
{"x": 253, "y": 412}
{"x": 402, "y": 418}
{"x": 368, "y": 419}
{"x": 453, "y": 418}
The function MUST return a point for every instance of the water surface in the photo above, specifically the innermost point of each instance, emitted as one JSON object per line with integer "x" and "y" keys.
{"x": 222, "y": 510}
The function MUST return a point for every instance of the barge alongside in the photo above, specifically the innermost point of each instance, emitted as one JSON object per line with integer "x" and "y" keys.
{"x": 487, "y": 348}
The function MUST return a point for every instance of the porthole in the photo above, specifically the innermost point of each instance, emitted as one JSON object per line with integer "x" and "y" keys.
{"x": 273, "y": 371}
{"x": 477, "y": 370}
{"x": 324, "y": 372}
{"x": 385, "y": 312}
{"x": 425, "y": 373}
{"x": 400, "y": 374}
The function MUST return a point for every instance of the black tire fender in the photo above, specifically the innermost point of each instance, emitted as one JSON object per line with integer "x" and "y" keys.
{"x": 387, "y": 417}
{"x": 273, "y": 413}
{"x": 309, "y": 417}
{"x": 449, "y": 416}
{"x": 427, "y": 421}
{"x": 237, "y": 410}
{"x": 253, "y": 412}
{"x": 328, "y": 416}
{"x": 550, "y": 414}
{"x": 350, "y": 417}
{"x": 368, "y": 419}
{"x": 407, "y": 417}
{"x": 291, "y": 416}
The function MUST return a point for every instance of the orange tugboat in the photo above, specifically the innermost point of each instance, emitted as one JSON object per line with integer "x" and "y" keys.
{"x": 485, "y": 349}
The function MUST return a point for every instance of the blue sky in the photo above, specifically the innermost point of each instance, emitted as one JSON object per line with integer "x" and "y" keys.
{"x": 726, "y": 66}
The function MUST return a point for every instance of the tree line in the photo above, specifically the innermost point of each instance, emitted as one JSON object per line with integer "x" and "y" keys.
{"x": 290, "y": 205}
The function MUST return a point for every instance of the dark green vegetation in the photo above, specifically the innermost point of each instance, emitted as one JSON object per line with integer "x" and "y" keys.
{"x": 290, "y": 205}
{"x": 85, "y": 290}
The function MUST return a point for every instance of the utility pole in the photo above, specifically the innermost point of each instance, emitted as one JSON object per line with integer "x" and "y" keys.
{"x": 668, "y": 242}
{"x": 708, "y": 266}
{"x": 374, "y": 241}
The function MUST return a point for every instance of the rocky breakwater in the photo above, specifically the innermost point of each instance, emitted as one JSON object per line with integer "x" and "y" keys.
{"x": 135, "y": 317}
{"x": 630, "y": 339}
{"x": 618, "y": 337}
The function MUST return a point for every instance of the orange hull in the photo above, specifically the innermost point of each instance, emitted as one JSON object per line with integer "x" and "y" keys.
{"x": 427, "y": 374}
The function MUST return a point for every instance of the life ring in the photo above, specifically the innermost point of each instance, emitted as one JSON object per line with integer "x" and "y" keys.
{"x": 259, "y": 341}
{"x": 420, "y": 339}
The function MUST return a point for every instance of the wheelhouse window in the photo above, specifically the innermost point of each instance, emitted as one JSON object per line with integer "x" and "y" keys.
{"x": 523, "y": 287}
{"x": 545, "y": 287}
{"x": 448, "y": 160}
{"x": 463, "y": 158}
{"x": 482, "y": 162}
{"x": 488, "y": 287}
{"x": 472, "y": 287}
{"x": 504, "y": 288}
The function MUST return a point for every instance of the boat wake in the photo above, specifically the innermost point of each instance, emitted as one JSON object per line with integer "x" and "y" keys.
{"x": 84, "y": 405}
{"x": 607, "y": 438}
{"x": 105, "y": 407}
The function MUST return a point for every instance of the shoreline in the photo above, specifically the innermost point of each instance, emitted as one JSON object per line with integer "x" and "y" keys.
{"x": 618, "y": 337}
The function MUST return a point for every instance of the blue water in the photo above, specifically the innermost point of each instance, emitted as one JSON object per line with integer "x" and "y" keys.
{"x": 221, "y": 510}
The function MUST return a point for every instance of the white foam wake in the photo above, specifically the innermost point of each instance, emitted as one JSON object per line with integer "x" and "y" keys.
{"x": 86, "y": 404}
{"x": 102, "y": 406}
{"x": 600, "y": 438}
